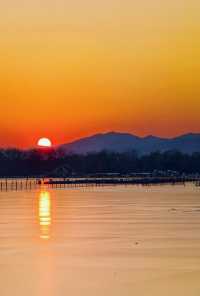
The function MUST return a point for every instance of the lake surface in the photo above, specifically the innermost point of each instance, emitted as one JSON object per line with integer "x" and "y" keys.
{"x": 121, "y": 240}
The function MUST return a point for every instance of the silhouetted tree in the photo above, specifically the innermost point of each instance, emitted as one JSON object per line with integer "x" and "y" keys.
{"x": 38, "y": 162}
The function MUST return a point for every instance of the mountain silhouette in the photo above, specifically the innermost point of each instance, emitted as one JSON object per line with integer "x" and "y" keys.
{"x": 125, "y": 142}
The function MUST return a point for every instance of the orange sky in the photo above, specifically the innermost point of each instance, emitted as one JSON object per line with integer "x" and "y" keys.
{"x": 69, "y": 70}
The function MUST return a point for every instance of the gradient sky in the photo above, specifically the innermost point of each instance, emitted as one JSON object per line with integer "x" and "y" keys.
{"x": 73, "y": 68}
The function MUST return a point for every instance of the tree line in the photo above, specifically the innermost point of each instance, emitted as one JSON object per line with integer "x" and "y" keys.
{"x": 41, "y": 162}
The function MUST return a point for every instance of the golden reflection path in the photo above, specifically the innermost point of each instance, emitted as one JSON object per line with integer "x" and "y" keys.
{"x": 45, "y": 214}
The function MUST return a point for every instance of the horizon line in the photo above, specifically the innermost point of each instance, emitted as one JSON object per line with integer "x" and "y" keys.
{"x": 103, "y": 134}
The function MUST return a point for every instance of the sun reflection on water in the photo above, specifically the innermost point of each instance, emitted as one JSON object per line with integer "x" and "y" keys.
{"x": 45, "y": 214}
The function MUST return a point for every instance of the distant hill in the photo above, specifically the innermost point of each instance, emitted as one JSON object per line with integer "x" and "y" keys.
{"x": 124, "y": 142}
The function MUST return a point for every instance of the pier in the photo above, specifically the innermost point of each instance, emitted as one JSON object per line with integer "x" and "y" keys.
{"x": 16, "y": 184}
{"x": 118, "y": 181}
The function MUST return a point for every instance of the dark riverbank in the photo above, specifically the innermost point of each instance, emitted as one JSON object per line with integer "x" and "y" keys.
{"x": 52, "y": 163}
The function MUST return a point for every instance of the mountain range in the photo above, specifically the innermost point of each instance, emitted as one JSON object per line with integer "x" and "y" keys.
{"x": 125, "y": 142}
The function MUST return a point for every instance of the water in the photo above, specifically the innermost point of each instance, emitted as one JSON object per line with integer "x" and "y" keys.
{"x": 122, "y": 240}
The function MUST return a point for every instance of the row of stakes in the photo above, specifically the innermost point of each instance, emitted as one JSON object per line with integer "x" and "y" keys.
{"x": 21, "y": 184}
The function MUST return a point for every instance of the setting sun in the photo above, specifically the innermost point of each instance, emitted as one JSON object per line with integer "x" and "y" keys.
{"x": 44, "y": 142}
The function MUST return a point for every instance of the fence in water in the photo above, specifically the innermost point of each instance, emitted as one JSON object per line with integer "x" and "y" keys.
{"x": 34, "y": 183}
{"x": 18, "y": 183}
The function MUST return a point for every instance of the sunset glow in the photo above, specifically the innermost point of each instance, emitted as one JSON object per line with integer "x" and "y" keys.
{"x": 70, "y": 69}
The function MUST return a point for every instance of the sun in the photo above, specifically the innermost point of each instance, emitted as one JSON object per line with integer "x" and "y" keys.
{"x": 44, "y": 142}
